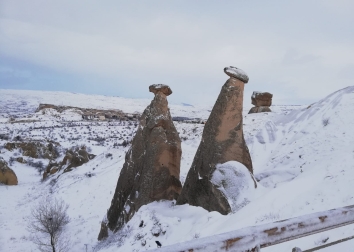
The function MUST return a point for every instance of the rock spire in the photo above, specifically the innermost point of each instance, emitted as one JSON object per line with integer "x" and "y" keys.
{"x": 261, "y": 101}
{"x": 152, "y": 164}
{"x": 222, "y": 141}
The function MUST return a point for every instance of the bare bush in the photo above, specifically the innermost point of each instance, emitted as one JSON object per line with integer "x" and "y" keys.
{"x": 269, "y": 217}
{"x": 11, "y": 161}
{"x": 325, "y": 122}
{"x": 4, "y": 137}
{"x": 46, "y": 223}
{"x": 38, "y": 165}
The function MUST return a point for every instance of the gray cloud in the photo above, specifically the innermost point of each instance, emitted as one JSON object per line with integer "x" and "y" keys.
{"x": 120, "y": 47}
{"x": 293, "y": 57}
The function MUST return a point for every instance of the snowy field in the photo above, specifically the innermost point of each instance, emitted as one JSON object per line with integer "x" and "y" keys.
{"x": 303, "y": 160}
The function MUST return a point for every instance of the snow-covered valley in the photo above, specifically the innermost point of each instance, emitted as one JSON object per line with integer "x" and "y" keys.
{"x": 303, "y": 160}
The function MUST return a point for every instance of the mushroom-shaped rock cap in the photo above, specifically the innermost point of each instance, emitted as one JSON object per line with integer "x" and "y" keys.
{"x": 236, "y": 73}
{"x": 155, "y": 88}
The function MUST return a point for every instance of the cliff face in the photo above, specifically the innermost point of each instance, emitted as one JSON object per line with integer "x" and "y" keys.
{"x": 152, "y": 164}
{"x": 222, "y": 141}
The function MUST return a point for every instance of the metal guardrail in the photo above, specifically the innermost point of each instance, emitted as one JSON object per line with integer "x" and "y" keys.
{"x": 256, "y": 237}
{"x": 329, "y": 244}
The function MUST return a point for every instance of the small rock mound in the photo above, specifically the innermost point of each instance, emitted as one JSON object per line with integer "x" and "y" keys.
{"x": 262, "y": 101}
{"x": 72, "y": 159}
{"x": 21, "y": 160}
{"x": 7, "y": 175}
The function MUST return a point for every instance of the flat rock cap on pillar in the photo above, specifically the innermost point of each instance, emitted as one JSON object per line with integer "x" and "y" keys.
{"x": 155, "y": 88}
{"x": 236, "y": 73}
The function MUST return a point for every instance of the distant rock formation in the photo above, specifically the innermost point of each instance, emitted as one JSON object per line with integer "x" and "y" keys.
{"x": 7, "y": 175}
{"x": 262, "y": 101}
{"x": 73, "y": 158}
{"x": 89, "y": 113}
{"x": 222, "y": 141}
{"x": 152, "y": 164}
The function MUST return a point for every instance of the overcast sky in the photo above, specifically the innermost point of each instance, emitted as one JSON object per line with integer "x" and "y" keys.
{"x": 300, "y": 51}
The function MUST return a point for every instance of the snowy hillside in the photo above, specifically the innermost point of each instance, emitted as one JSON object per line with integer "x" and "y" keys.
{"x": 23, "y": 101}
{"x": 303, "y": 160}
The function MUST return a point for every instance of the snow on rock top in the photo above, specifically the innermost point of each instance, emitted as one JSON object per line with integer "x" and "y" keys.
{"x": 255, "y": 93}
{"x": 236, "y": 73}
{"x": 235, "y": 181}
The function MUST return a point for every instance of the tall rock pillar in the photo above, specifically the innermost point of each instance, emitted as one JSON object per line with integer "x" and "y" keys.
{"x": 222, "y": 141}
{"x": 152, "y": 164}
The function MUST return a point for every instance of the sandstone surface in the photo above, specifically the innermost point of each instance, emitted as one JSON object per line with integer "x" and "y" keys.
{"x": 260, "y": 109}
{"x": 7, "y": 175}
{"x": 35, "y": 149}
{"x": 152, "y": 164}
{"x": 73, "y": 158}
{"x": 262, "y": 99}
{"x": 222, "y": 141}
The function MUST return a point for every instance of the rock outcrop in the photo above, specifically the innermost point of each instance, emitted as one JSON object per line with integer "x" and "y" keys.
{"x": 21, "y": 160}
{"x": 35, "y": 149}
{"x": 260, "y": 109}
{"x": 222, "y": 141}
{"x": 152, "y": 164}
{"x": 261, "y": 101}
{"x": 73, "y": 158}
{"x": 89, "y": 113}
{"x": 7, "y": 175}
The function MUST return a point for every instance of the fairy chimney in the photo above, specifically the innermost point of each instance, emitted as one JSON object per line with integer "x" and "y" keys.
{"x": 222, "y": 141}
{"x": 152, "y": 164}
{"x": 261, "y": 101}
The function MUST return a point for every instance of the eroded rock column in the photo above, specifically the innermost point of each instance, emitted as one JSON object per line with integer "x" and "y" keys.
{"x": 261, "y": 101}
{"x": 222, "y": 141}
{"x": 152, "y": 164}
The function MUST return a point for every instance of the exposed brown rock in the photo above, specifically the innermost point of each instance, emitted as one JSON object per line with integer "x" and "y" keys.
{"x": 7, "y": 175}
{"x": 222, "y": 141}
{"x": 152, "y": 164}
{"x": 166, "y": 90}
{"x": 259, "y": 110}
{"x": 10, "y": 146}
{"x": 73, "y": 158}
{"x": 21, "y": 160}
{"x": 103, "y": 232}
{"x": 262, "y": 99}
{"x": 54, "y": 170}
{"x": 35, "y": 149}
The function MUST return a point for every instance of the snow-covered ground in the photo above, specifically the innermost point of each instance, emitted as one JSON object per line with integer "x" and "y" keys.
{"x": 303, "y": 159}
